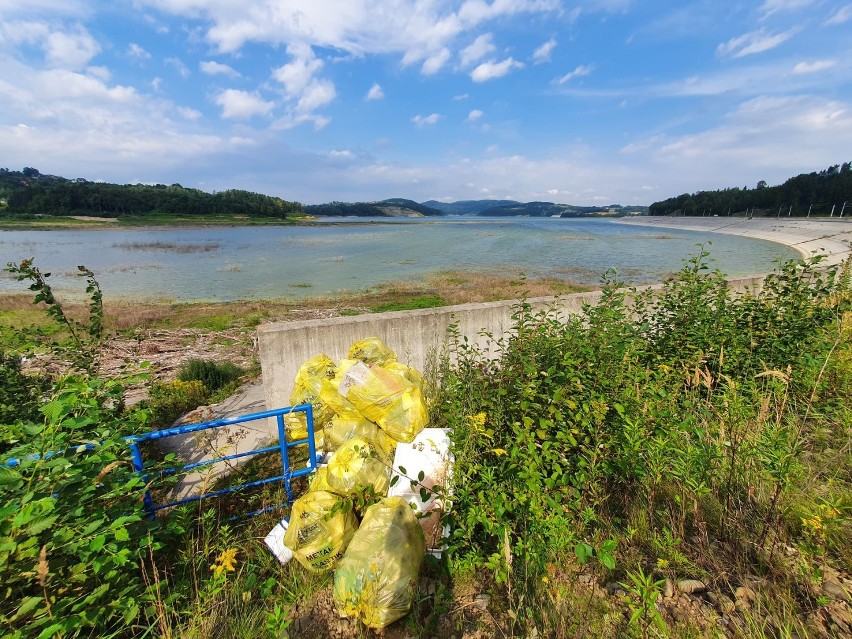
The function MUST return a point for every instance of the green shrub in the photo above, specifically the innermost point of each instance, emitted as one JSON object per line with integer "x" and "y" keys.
{"x": 170, "y": 400}
{"x": 214, "y": 375}
{"x": 72, "y": 529}
{"x": 662, "y": 416}
{"x": 20, "y": 394}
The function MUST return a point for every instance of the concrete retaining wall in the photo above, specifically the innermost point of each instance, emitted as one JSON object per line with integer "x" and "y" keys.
{"x": 414, "y": 335}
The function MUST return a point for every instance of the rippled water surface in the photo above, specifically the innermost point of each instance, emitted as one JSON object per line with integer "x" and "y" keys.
{"x": 298, "y": 261}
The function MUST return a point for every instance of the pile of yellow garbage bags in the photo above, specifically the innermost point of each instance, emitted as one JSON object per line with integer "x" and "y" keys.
{"x": 362, "y": 407}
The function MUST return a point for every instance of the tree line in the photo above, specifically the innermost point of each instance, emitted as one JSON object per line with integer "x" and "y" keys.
{"x": 820, "y": 193}
{"x": 28, "y": 192}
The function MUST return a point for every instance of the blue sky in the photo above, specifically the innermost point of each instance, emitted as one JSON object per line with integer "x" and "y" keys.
{"x": 588, "y": 102}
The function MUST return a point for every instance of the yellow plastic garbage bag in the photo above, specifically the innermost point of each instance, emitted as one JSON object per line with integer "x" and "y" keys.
{"x": 342, "y": 428}
{"x": 371, "y": 350}
{"x": 357, "y": 464}
{"x": 330, "y": 390}
{"x": 385, "y": 395}
{"x": 306, "y": 390}
{"x": 316, "y": 535}
{"x": 376, "y": 580}
{"x": 319, "y": 481}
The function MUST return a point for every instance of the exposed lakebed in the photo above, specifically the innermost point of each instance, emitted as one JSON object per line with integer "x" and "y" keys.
{"x": 230, "y": 263}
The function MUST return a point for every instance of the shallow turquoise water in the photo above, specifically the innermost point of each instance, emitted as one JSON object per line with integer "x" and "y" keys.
{"x": 222, "y": 264}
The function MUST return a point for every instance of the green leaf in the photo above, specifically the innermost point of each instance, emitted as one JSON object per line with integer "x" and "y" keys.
{"x": 41, "y": 524}
{"x": 10, "y": 478}
{"x": 50, "y": 631}
{"x": 29, "y": 604}
{"x": 606, "y": 559}
{"x": 121, "y": 534}
{"x": 583, "y": 552}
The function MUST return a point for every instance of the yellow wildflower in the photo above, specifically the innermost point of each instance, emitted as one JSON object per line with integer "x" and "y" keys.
{"x": 477, "y": 422}
{"x": 498, "y": 451}
{"x": 814, "y": 523}
{"x": 227, "y": 561}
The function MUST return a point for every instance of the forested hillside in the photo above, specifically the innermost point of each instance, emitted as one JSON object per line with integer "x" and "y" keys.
{"x": 393, "y": 207}
{"x": 28, "y": 192}
{"x": 822, "y": 193}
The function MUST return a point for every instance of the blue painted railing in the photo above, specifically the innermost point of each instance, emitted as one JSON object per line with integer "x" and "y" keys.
{"x": 287, "y": 473}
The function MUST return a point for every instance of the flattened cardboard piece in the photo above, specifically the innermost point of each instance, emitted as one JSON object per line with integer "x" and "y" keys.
{"x": 429, "y": 453}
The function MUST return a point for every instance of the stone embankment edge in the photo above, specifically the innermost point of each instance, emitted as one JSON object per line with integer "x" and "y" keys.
{"x": 419, "y": 335}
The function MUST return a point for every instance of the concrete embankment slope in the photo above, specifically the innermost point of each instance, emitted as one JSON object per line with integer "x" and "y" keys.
{"x": 832, "y": 237}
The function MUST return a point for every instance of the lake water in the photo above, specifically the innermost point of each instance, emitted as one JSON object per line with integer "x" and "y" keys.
{"x": 230, "y": 263}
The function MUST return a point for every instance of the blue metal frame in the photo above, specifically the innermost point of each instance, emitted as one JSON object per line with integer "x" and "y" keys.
{"x": 283, "y": 445}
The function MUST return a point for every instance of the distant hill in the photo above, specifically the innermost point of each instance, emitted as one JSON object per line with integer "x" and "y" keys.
{"x": 466, "y": 207}
{"x": 549, "y": 209}
{"x": 393, "y": 207}
{"x": 506, "y": 208}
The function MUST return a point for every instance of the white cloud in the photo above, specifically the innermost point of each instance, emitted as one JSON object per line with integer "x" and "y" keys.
{"x": 580, "y": 71}
{"x": 179, "y": 66}
{"x": 542, "y": 54}
{"x": 302, "y": 88}
{"x": 375, "y": 92}
{"x": 841, "y": 16}
{"x": 415, "y": 29}
{"x": 101, "y": 73}
{"x": 52, "y": 9}
{"x": 813, "y": 67}
{"x": 242, "y": 105}
{"x": 751, "y": 43}
{"x": 491, "y": 70}
{"x": 188, "y": 113}
{"x": 341, "y": 154}
{"x": 435, "y": 62}
{"x": 756, "y": 139}
{"x": 474, "y": 115}
{"x": 296, "y": 75}
{"x": 459, "y": 98}
{"x": 422, "y": 120}
{"x": 318, "y": 93}
{"x": 135, "y": 51}
{"x": 211, "y": 67}
{"x": 777, "y": 6}
{"x": 82, "y": 126}
{"x": 70, "y": 50}
{"x": 474, "y": 52}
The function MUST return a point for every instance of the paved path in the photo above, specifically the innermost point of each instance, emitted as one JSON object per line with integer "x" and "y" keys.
{"x": 832, "y": 237}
